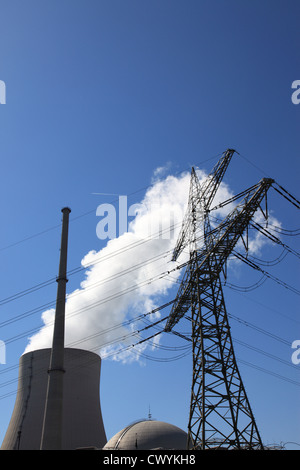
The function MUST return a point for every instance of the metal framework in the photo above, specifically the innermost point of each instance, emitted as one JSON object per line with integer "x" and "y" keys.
{"x": 220, "y": 413}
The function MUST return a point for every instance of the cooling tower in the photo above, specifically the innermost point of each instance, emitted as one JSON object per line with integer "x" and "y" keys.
{"x": 82, "y": 417}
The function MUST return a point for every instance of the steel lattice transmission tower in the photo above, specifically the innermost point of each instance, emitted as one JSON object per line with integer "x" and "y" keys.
{"x": 220, "y": 413}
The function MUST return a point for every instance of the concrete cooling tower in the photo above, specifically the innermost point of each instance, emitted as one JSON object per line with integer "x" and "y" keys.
{"x": 82, "y": 424}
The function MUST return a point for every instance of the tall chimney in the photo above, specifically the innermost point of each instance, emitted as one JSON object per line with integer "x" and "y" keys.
{"x": 52, "y": 425}
{"x": 72, "y": 416}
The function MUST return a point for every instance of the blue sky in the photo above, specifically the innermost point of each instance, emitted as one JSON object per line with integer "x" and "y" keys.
{"x": 101, "y": 93}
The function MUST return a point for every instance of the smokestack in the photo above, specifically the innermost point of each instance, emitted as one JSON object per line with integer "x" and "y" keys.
{"x": 58, "y": 402}
{"x": 82, "y": 423}
{"x": 52, "y": 427}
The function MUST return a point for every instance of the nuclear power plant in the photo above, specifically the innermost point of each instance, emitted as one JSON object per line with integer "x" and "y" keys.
{"x": 58, "y": 402}
{"x": 82, "y": 423}
{"x": 57, "y": 405}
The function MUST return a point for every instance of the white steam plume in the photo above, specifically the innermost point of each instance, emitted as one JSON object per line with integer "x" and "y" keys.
{"x": 127, "y": 277}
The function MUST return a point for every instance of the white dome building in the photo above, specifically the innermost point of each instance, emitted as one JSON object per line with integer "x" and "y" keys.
{"x": 147, "y": 435}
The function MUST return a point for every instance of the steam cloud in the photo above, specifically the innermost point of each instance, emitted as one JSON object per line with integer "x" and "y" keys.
{"x": 129, "y": 276}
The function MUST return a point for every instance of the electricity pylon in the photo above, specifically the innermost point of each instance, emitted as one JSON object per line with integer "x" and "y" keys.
{"x": 220, "y": 413}
{"x": 200, "y": 199}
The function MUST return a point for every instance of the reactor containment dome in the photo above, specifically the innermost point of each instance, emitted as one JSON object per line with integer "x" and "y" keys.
{"x": 147, "y": 435}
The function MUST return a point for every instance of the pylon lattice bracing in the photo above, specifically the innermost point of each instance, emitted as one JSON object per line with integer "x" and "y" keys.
{"x": 220, "y": 412}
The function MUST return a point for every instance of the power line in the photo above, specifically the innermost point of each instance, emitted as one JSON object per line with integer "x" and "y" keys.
{"x": 254, "y": 165}
{"x": 102, "y": 258}
{"x": 137, "y": 332}
{"x": 273, "y": 262}
{"x": 267, "y": 307}
{"x": 48, "y": 282}
{"x": 259, "y": 329}
{"x": 83, "y": 268}
{"x": 76, "y": 270}
{"x": 148, "y": 357}
{"x": 52, "y": 280}
{"x": 287, "y": 195}
{"x": 164, "y": 254}
{"x": 84, "y": 214}
{"x": 266, "y": 273}
{"x": 256, "y": 285}
{"x": 110, "y": 343}
{"x": 143, "y": 316}
{"x": 108, "y": 279}
{"x": 109, "y": 329}
{"x": 273, "y": 238}
{"x": 265, "y": 353}
{"x": 269, "y": 372}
